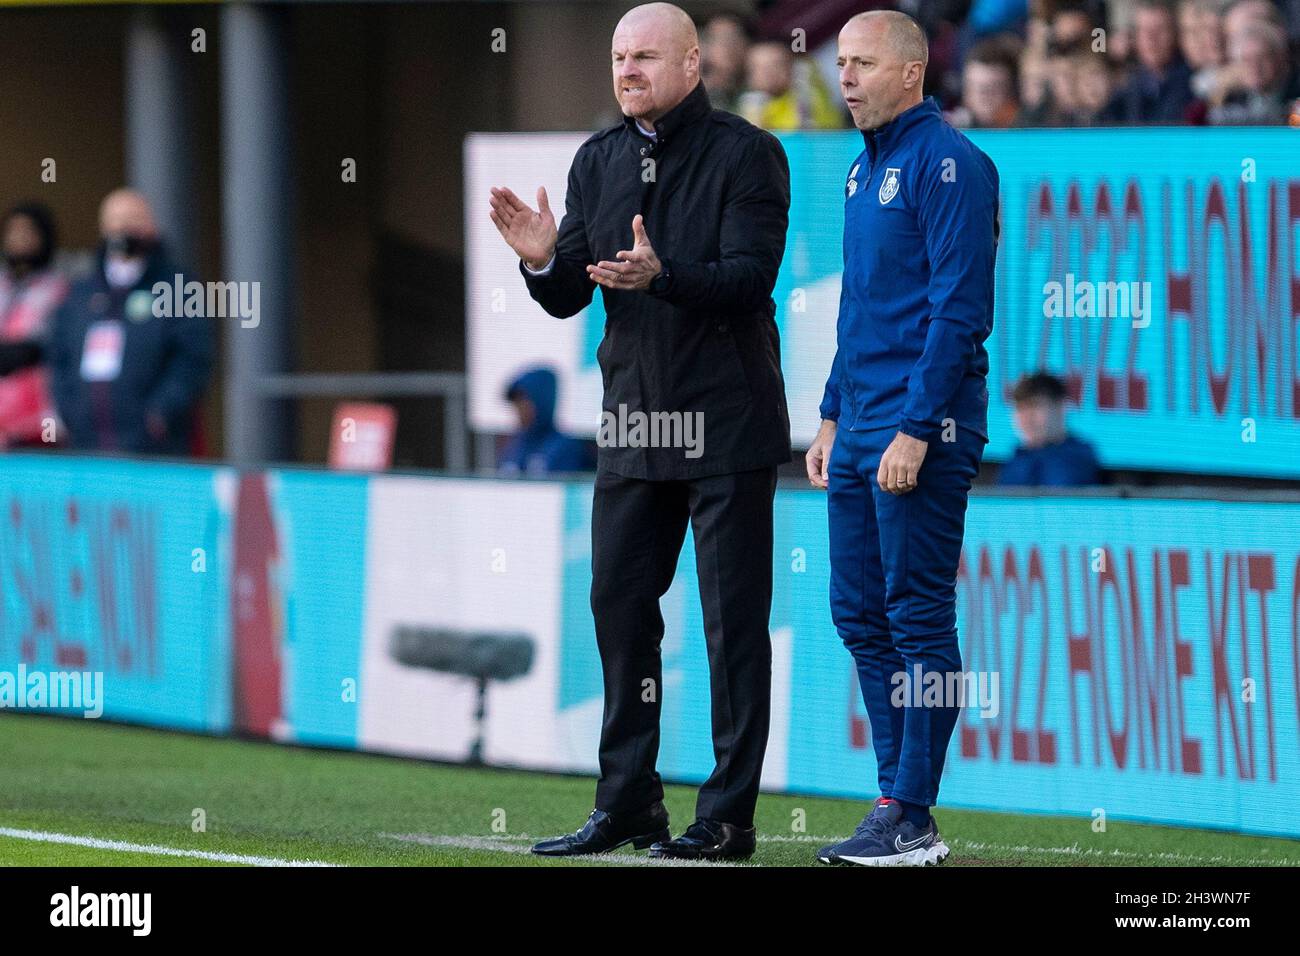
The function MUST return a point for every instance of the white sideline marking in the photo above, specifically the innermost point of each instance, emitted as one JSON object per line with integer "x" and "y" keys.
{"x": 522, "y": 843}
{"x": 122, "y": 846}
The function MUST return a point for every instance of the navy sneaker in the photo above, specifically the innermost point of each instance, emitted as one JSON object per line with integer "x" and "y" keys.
{"x": 884, "y": 838}
{"x": 824, "y": 855}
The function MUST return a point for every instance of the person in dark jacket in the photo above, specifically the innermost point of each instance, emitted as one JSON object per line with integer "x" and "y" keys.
{"x": 1160, "y": 87}
{"x": 123, "y": 378}
{"x": 679, "y": 215}
{"x": 905, "y": 420}
{"x": 538, "y": 448}
{"x": 1048, "y": 455}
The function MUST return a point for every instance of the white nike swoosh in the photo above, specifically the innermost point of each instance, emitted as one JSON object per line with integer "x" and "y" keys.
{"x": 904, "y": 847}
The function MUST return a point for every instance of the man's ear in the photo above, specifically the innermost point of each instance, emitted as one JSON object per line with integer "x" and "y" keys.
{"x": 693, "y": 62}
{"x": 913, "y": 73}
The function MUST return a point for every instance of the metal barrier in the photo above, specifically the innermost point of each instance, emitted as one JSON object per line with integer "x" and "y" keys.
{"x": 449, "y": 386}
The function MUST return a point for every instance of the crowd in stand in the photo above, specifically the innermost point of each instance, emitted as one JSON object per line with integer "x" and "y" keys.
{"x": 85, "y": 362}
{"x": 1057, "y": 63}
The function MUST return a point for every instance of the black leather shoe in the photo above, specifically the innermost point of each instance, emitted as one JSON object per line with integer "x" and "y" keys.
{"x": 604, "y": 832}
{"x": 709, "y": 840}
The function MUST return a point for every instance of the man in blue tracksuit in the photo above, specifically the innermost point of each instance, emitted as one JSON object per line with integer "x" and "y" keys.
{"x": 904, "y": 419}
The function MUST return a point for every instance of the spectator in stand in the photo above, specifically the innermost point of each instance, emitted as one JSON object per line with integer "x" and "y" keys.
{"x": 1035, "y": 88}
{"x": 1242, "y": 12}
{"x": 1054, "y": 86}
{"x": 990, "y": 86}
{"x": 1071, "y": 24}
{"x": 30, "y": 291}
{"x": 1119, "y": 32}
{"x": 1160, "y": 87}
{"x": 1094, "y": 80}
{"x": 1056, "y": 32}
{"x": 1258, "y": 65}
{"x": 784, "y": 94}
{"x": 538, "y": 447}
{"x": 1062, "y": 70}
{"x": 1200, "y": 38}
{"x": 724, "y": 44}
{"x": 1048, "y": 455}
{"x": 123, "y": 378}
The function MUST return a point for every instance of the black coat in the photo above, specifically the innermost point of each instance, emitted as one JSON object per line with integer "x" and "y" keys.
{"x": 166, "y": 364}
{"x": 714, "y": 191}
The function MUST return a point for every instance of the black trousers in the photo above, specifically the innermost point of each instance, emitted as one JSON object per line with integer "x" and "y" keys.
{"x": 637, "y": 530}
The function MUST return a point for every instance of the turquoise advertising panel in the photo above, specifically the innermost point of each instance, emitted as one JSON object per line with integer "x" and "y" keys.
{"x": 116, "y": 572}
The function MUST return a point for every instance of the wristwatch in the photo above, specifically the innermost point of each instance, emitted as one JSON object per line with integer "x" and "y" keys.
{"x": 660, "y": 283}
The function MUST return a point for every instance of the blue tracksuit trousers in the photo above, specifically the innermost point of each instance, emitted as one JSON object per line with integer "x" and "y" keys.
{"x": 894, "y": 562}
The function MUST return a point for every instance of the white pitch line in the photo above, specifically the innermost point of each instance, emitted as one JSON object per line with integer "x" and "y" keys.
{"x": 511, "y": 844}
{"x": 519, "y": 844}
{"x": 154, "y": 849}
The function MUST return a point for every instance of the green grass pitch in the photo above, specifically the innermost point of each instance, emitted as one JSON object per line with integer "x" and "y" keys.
{"x": 81, "y": 793}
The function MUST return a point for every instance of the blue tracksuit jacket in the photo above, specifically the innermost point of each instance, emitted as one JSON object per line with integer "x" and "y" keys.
{"x": 916, "y": 303}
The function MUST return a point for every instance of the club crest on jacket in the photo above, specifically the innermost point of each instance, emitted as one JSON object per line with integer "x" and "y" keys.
{"x": 889, "y": 188}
